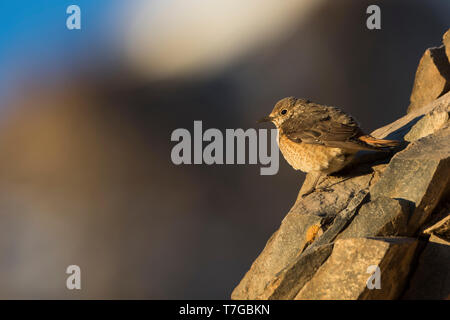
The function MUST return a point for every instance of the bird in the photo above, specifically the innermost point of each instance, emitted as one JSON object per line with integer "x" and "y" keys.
{"x": 319, "y": 139}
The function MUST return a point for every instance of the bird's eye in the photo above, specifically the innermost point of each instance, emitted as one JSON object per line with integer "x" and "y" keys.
{"x": 283, "y": 111}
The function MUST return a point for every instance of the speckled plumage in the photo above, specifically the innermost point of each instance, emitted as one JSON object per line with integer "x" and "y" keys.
{"x": 312, "y": 157}
{"x": 317, "y": 138}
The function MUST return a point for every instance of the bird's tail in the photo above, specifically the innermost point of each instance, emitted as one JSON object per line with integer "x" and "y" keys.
{"x": 379, "y": 143}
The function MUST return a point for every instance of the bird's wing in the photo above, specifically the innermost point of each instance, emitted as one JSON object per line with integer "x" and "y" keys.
{"x": 325, "y": 126}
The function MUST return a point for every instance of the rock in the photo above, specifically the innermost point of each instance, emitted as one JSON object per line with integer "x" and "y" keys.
{"x": 381, "y": 217}
{"x": 325, "y": 243}
{"x": 419, "y": 174}
{"x": 410, "y": 186}
{"x": 441, "y": 226}
{"x": 283, "y": 247}
{"x": 429, "y": 124}
{"x": 400, "y": 128}
{"x": 446, "y": 40}
{"x": 431, "y": 279}
{"x": 293, "y": 236}
{"x": 432, "y": 78}
{"x": 344, "y": 275}
{"x": 328, "y": 204}
{"x": 340, "y": 221}
{"x": 291, "y": 279}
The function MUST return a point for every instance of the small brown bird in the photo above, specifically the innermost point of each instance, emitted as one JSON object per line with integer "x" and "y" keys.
{"x": 319, "y": 139}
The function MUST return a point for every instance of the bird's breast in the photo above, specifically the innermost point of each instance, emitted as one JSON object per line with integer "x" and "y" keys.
{"x": 311, "y": 157}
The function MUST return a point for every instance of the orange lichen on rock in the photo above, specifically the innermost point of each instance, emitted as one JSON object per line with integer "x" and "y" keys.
{"x": 313, "y": 232}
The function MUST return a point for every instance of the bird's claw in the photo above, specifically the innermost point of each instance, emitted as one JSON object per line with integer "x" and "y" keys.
{"x": 308, "y": 192}
{"x": 323, "y": 189}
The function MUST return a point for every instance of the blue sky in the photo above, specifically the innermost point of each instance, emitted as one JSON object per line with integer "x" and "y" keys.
{"x": 34, "y": 38}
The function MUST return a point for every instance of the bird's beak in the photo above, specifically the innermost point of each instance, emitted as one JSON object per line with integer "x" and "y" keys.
{"x": 265, "y": 119}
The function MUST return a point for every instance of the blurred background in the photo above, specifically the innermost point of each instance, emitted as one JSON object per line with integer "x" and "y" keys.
{"x": 86, "y": 117}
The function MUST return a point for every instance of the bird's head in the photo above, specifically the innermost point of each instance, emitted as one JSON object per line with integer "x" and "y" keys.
{"x": 284, "y": 110}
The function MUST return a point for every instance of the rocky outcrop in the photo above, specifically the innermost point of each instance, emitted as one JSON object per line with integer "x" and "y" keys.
{"x": 388, "y": 211}
{"x": 345, "y": 273}
{"x": 447, "y": 44}
{"x": 431, "y": 279}
{"x": 432, "y": 76}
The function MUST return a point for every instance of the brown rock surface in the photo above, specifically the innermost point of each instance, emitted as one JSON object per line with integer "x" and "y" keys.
{"x": 289, "y": 241}
{"x": 446, "y": 40}
{"x": 432, "y": 78}
{"x": 326, "y": 239}
{"x": 428, "y": 124}
{"x": 381, "y": 217}
{"x": 291, "y": 279}
{"x": 419, "y": 174}
{"x": 344, "y": 275}
{"x": 431, "y": 279}
{"x": 400, "y": 128}
{"x": 281, "y": 249}
{"x": 440, "y": 224}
